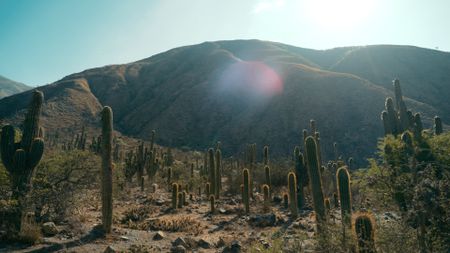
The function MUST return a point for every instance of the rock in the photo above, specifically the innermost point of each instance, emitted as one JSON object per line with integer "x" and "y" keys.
{"x": 159, "y": 235}
{"x": 49, "y": 229}
{"x": 160, "y": 202}
{"x": 125, "y": 238}
{"x": 235, "y": 247}
{"x": 110, "y": 249}
{"x": 202, "y": 243}
{"x": 180, "y": 241}
{"x": 263, "y": 220}
{"x": 222, "y": 211}
{"x": 178, "y": 249}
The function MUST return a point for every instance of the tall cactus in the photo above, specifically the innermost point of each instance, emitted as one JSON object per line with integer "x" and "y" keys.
{"x": 267, "y": 175}
{"x": 292, "y": 185}
{"x": 315, "y": 179}
{"x": 266, "y": 194}
{"x": 437, "y": 125}
{"x": 174, "y": 196}
{"x": 302, "y": 177}
{"x": 343, "y": 182}
{"x": 266, "y": 155}
{"x": 246, "y": 190}
{"x": 365, "y": 230}
{"x": 218, "y": 174}
{"x": 21, "y": 158}
{"x": 107, "y": 167}
{"x": 212, "y": 172}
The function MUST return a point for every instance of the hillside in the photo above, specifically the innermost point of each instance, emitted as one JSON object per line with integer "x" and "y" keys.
{"x": 9, "y": 87}
{"x": 241, "y": 92}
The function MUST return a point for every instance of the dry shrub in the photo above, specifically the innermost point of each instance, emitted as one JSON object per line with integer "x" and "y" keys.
{"x": 30, "y": 232}
{"x": 174, "y": 224}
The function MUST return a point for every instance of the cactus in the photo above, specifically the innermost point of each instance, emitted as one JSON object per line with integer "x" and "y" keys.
{"x": 266, "y": 194}
{"x": 418, "y": 128}
{"x": 267, "y": 174}
{"x": 212, "y": 201}
{"x": 390, "y": 117}
{"x": 365, "y": 230}
{"x": 343, "y": 180}
{"x": 180, "y": 199}
{"x": 169, "y": 176}
{"x": 266, "y": 155}
{"x": 152, "y": 139}
{"x": 302, "y": 177}
{"x": 107, "y": 167}
{"x": 218, "y": 173}
{"x": 312, "y": 124}
{"x": 335, "y": 151}
{"x": 246, "y": 190}
{"x": 192, "y": 170}
{"x": 20, "y": 159}
{"x": 208, "y": 189}
{"x": 212, "y": 172}
{"x": 292, "y": 185}
{"x": 437, "y": 125}
{"x": 174, "y": 196}
{"x": 305, "y": 134}
{"x": 315, "y": 179}
{"x": 319, "y": 152}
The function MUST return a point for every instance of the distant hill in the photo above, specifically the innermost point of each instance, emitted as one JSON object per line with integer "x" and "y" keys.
{"x": 250, "y": 91}
{"x": 10, "y": 87}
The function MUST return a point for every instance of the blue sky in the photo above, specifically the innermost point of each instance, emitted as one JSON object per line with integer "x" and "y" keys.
{"x": 42, "y": 41}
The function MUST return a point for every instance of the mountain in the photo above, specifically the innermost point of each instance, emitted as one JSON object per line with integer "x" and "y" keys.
{"x": 248, "y": 91}
{"x": 10, "y": 87}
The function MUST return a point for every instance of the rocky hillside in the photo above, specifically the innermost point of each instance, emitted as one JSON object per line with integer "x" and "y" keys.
{"x": 10, "y": 87}
{"x": 240, "y": 91}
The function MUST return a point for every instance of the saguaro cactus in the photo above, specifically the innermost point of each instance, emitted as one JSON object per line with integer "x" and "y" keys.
{"x": 21, "y": 158}
{"x": 315, "y": 179}
{"x": 218, "y": 174}
{"x": 292, "y": 185}
{"x": 437, "y": 125}
{"x": 174, "y": 196}
{"x": 107, "y": 167}
{"x": 268, "y": 177}
{"x": 343, "y": 182}
{"x": 212, "y": 171}
{"x": 266, "y": 193}
{"x": 365, "y": 230}
{"x": 266, "y": 155}
{"x": 212, "y": 202}
{"x": 302, "y": 176}
{"x": 246, "y": 190}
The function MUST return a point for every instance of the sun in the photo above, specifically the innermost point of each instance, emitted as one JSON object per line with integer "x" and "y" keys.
{"x": 339, "y": 14}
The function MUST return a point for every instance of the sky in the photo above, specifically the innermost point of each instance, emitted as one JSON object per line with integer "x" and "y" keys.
{"x": 41, "y": 41}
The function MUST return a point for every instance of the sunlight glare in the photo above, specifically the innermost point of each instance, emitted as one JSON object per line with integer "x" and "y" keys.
{"x": 339, "y": 14}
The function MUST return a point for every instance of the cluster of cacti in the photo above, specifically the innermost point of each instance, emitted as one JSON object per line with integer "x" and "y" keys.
{"x": 364, "y": 231}
{"x": 21, "y": 158}
{"x": 343, "y": 183}
{"x": 107, "y": 168}
{"x": 292, "y": 185}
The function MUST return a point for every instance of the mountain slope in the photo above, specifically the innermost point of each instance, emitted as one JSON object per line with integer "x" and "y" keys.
{"x": 9, "y": 87}
{"x": 236, "y": 92}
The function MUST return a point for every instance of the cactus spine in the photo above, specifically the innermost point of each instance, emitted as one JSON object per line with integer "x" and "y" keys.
{"x": 292, "y": 185}
{"x": 315, "y": 179}
{"x": 174, "y": 196}
{"x": 246, "y": 190}
{"x": 343, "y": 180}
{"x": 21, "y": 158}
{"x": 364, "y": 230}
{"x": 107, "y": 167}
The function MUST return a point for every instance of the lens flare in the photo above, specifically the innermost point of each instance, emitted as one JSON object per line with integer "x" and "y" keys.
{"x": 251, "y": 78}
